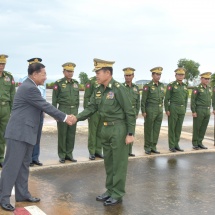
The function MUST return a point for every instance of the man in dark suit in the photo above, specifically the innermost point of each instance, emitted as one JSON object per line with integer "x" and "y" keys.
{"x": 21, "y": 136}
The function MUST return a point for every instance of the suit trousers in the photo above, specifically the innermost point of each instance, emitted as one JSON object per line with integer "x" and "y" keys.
{"x": 115, "y": 158}
{"x": 200, "y": 124}
{"x": 36, "y": 150}
{"x": 15, "y": 171}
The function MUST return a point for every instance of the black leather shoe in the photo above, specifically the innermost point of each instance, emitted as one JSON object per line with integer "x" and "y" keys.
{"x": 172, "y": 150}
{"x": 62, "y": 160}
{"x": 71, "y": 159}
{"x": 148, "y": 152}
{"x": 31, "y": 199}
{"x": 37, "y": 163}
{"x": 7, "y": 207}
{"x": 179, "y": 149}
{"x": 102, "y": 197}
{"x": 99, "y": 155}
{"x": 1, "y": 164}
{"x": 112, "y": 201}
{"x": 31, "y": 164}
{"x": 92, "y": 157}
{"x": 131, "y": 155}
{"x": 202, "y": 147}
{"x": 155, "y": 151}
{"x": 196, "y": 147}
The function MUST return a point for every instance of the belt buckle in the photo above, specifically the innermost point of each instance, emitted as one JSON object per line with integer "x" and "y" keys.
{"x": 3, "y": 103}
{"x": 208, "y": 107}
{"x": 105, "y": 123}
{"x": 159, "y": 105}
{"x": 182, "y": 105}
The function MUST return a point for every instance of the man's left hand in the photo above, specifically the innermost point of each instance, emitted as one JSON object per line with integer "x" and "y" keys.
{"x": 129, "y": 139}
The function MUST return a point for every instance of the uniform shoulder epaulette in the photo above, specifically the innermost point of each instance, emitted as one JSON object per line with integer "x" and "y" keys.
{"x": 75, "y": 80}
{"x": 171, "y": 83}
{"x": 59, "y": 80}
{"x": 8, "y": 73}
{"x": 117, "y": 84}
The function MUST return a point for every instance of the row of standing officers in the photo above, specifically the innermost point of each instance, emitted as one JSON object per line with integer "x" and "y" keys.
{"x": 111, "y": 109}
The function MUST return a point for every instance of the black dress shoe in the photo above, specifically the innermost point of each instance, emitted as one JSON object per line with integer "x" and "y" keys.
{"x": 31, "y": 199}
{"x": 1, "y": 164}
{"x": 148, "y": 152}
{"x": 172, "y": 150}
{"x": 31, "y": 164}
{"x": 62, "y": 160}
{"x": 7, "y": 207}
{"x": 102, "y": 197}
{"x": 112, "y": 201}
{"x": 155, "y": 151}
{"x": 196, "y": 147}
{"x": 92, "y": 157}
{"x": 202, "y": 147}
{"x": 179, "y": 149}
{"x": 37, "y": 163}
{"x": 99, "y": 155}
{"x": 71, "y": 159}
{"x": 131, "y": 155}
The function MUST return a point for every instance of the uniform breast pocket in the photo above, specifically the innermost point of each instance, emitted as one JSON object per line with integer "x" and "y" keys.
{"x": 152, "y": 91}
{"x": 98, "y": 101}
{"x": 64, "y": 90}
{"x": 109, "y": 102}
{"x": 7, "y": 86}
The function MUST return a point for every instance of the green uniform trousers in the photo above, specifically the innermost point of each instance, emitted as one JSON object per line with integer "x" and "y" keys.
{"x": 94, "y": 137}
{"x": 152, "y": 125}
{"x": 66, "y": 134}
{"x": 175, "y": 121}
{"x": 4, "y": 117}
{"x": 115, "y": 158}
{"x": 200, "y": 124}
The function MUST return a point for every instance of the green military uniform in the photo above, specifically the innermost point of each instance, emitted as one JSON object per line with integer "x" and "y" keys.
{"x": 200, "y": 104}
{"x": 94, "y": 140}
{"x": 134, "y": 95}
{"x": 7, "y": 92}
{"x": 176, "y": 102}
{"x": 66, "y": 95}
{"x": 152, "y": 105}
{"x": 118, "y": 119}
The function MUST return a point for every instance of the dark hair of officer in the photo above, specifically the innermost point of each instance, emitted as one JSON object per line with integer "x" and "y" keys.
{"x": 109, "y": 69}
{"x": 35, "y": 67}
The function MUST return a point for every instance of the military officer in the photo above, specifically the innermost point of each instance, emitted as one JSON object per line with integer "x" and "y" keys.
{"x": 133, "y": 91}
{"x": 7, "y": 92}
{"x": 200, "y": 107}
{"x": 152, "y": 110}
{"x": 111, "y": 101}
{"x": 175, "y": 106}
{"x": 66, "y": 96}
{"x": 94, "y": 140}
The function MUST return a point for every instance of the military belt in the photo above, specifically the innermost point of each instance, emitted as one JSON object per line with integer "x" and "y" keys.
{"x": 154, "y": 104}
{"x": 113, "y": 122}
{"x": 71, "y": 106}
{"x": 4, "y": 103}
{"x": 175, "y": 104}
{"x": 204, "y": 107}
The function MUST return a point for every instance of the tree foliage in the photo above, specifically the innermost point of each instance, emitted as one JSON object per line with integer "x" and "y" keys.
{"x": 83, "y": 77}
{"x": 192, "y": 69}
{"x": 212, "y": 82}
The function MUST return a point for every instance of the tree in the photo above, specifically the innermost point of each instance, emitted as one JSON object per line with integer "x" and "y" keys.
{"x": 83, "y": 77}
{"x": 192, "y": 69}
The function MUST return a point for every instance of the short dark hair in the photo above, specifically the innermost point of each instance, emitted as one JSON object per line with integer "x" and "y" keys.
{"x": 35, "y": 67}
{"x": 109, "y": 69}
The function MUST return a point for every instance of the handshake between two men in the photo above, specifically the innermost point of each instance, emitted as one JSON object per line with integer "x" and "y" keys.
{"x": 71, "y": 119}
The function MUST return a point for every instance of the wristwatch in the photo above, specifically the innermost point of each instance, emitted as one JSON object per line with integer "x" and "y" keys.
{"x": 130, "y": 134}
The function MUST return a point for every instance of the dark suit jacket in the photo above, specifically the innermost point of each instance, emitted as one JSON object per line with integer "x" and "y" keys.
{"x": 28, "y": 104}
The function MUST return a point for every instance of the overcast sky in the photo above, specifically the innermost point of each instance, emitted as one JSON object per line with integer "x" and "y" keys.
{"x": 138, "y": 33}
